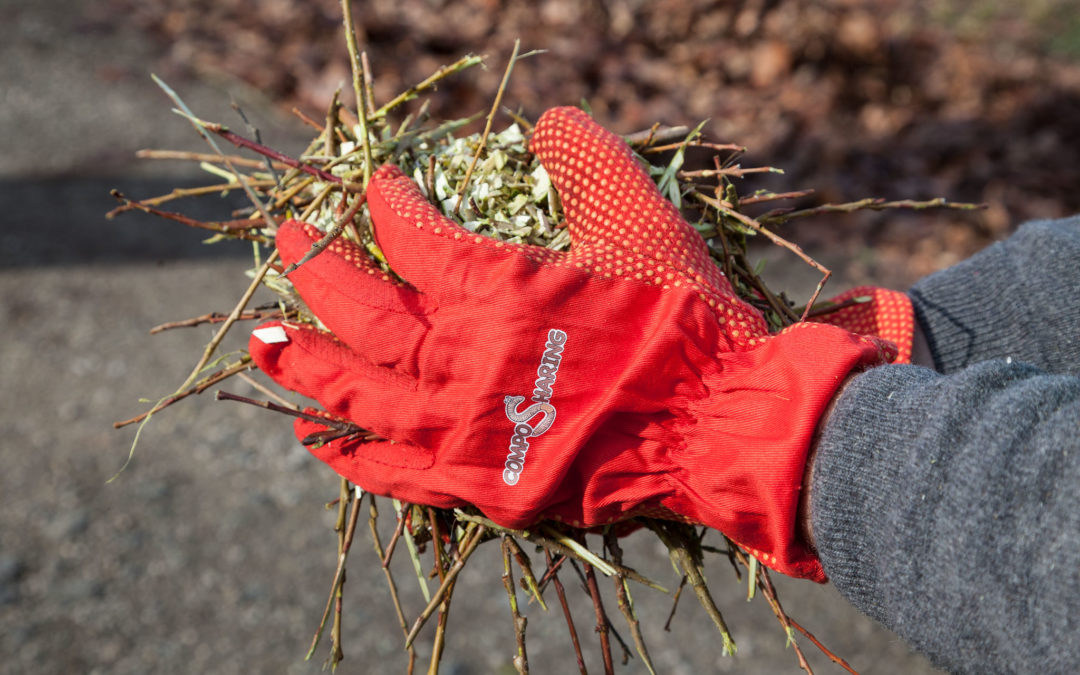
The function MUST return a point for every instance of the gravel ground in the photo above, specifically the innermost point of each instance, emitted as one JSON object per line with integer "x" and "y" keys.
{"x": 212, "y": 552}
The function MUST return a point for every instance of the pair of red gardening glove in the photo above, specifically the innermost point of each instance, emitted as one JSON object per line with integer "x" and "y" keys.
{"x": 621, "y": 378}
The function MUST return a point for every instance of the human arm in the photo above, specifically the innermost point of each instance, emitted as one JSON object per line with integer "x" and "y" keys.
{"x": 948, "y": 506}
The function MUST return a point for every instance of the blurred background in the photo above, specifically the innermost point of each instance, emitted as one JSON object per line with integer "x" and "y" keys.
{"x": 212, "y": 552}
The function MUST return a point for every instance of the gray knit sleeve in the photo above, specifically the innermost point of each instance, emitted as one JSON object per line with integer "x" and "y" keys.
{"x": 1018, "y": 298}
{"x": 947, "y": 506}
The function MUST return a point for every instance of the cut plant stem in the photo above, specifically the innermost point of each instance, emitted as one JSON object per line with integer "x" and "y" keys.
{"x": 373, "y": 517}
{"x": 553, "y": 574}
{"x": 601, "y": 618}
{"x": 626, "y": 606}
{"x": 198, "y": 388}
{"x": 476, "y": 532}
{"x": 521, "y": 659}
{"x": 334, "y": 232}
{"x": 482, "y": 143}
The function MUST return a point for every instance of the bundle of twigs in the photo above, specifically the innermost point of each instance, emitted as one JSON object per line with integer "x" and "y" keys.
{"x": 492, "y": 185}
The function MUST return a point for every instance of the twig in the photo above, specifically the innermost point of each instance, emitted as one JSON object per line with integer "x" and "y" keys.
{"x": 259, "y": 386}
{"x": 675, "y": 603}
{"x": 440, "y": 630}
{"x": 241, "y": 142}
{"x": 374, "y": 515}
{"x": 233, "y": 316}
{"x": 369, "y": 83}
{"x": 761, "y": 577}
{"x": 331, "y": 235}
{"x": 235, "y": 228}
{"x": 601, "y": 618}
{"x": 398, "y": 529}
{"x": 339, "y": 425}
{"x": 527, "y": 576}
{"x": 736, "y": 171}
{"x": 552, "y": 573}
{"x": 477, "y": 533}
{"x": 237, "y": 160}
{"x": 183, "y": 110}
{"x": 521, "y": 660}
{"x": 482, "y": 143}
{"x": 774, "y": 196}
{"x": 726, "y": 208}
{"x": 345, "y": 532}
{"x": 675, "y": 537}
{"x": 358, "y": 86}
{"x": 200, "y": 387}
{"x": 694, "y": 144}
{"x": 626, "y": 606}
{"x": 307, "y": 120}
{"x": 876, "y": 204}
{"x": 810, "y": 636}
{"x": 656, "y": 134}
{"x": 415, "y": 90}
{"x": 217, "y": 317}
{"x": 179, "y": 193}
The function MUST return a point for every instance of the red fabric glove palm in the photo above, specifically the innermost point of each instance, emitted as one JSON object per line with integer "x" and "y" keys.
{"x": 617, "y": 379}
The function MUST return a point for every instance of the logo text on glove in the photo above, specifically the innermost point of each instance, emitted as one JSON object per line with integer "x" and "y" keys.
{"x": 541, "y": 404}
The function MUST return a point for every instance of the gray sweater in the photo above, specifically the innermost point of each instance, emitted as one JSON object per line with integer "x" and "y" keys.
{"x": 946, "y": 504}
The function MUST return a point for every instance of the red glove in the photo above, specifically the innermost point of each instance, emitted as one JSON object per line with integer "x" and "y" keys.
{"x": 622, "y": 378}
{"x": 880, "y": 313}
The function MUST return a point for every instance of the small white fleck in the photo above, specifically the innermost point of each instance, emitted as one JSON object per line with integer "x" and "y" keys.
{"x": 271, "y": 336}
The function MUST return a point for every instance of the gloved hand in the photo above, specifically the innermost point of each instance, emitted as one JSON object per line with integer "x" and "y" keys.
{"x": 621, "y": 378}
{"x": 881, "y": 312}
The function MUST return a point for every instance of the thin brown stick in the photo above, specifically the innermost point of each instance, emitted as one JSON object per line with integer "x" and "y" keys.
{"x": 211, "y": 158}
{"x": 877, "y": 204}
{"x": 369, "y": 84}
{"x": 340, "y": 425}
{"x": 810, "y": 636}
{"x": 233, "y": 316}
{"x": 438, "y": 569}
{"x": 358, "y": 85}
{"x": 726, "y": 208}
{"x": 482, "y": 143}
{"x": 625, "y": 605}
{"x": 552, "y": 574}
{"x": 774, "y": 196}
{"x": 765, "y": 584}
{"x": 527, "y": 577}
{"x": 656, "y": 134}
{"x": 675, "y": 603}
{"x": 551, "y": 570}
{"x": 478, "y": 532}
{"x": 601, "y": 618}
{"x": 373, "y": 517}
{"x": 307, "y": 120}
{"x": 198, "y": 388}
{"x": 334, "y": 232}
{"x": 217, "y": 317}
{"x": 234, "y": 228}
{"x": 428, "y": 83}
{"x": 694, "y": 144}
{"x": 735, "y": 171}
{"x": 521, "y": 659}
{"x": 345, "y": 537}
{"x": 180, "y": 193}
{"x": 398, "y": 529}
{"x": 241, "y": 142}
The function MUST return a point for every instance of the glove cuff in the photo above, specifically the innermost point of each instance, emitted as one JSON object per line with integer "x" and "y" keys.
{"x": 746, "y": 454}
